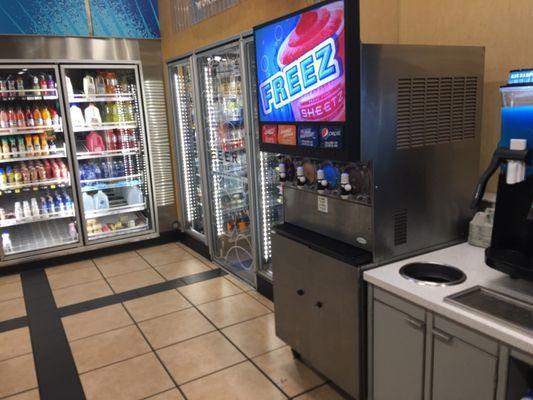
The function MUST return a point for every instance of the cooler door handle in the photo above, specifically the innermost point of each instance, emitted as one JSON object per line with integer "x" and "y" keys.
{"x": 444, "y": 337}
{"x": 415, "y": 323}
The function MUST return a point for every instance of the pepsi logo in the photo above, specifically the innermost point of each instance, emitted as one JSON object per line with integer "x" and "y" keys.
{"x": 324, "y": 132}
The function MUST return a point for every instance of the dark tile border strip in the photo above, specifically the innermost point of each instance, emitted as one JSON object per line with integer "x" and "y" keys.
{"x": 14, "y": 323}
{"x": 54, "y": 365}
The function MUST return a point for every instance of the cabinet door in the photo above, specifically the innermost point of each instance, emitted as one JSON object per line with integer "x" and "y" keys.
{"x": 461, "y": 371}
{"x": 292, "y": 292}
{"x": 398, "y": 354}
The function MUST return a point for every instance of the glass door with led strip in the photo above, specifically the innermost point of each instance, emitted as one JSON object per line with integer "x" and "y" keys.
{"x": 37, "y": 204}
{"x": 107, "y": 130}
{"x": 226, "y": 140}
{"x": 189, "y": 149}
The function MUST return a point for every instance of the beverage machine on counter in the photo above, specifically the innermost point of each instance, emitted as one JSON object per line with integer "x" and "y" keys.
{"x": 377, "y": 148}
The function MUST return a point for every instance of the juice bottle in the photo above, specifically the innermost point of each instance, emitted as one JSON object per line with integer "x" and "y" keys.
{"x": 25, "y": 172}
{"x": 29, "y": 145}
{"x": 17, "y": 175}
{"x": 5, "y": 148}
{"x": 51, "y": 85}
{"x": 41, "y": 172}
{"x": 10, "y": 175}
{"x": 3, "y": 178}
{"x": 11, "y": 117}
{"x": 36, "y": 145}
{"x": 4, "y": 120}
{"x": 47, "y": 169}
{"x": 3, "y": 87}
{"x": 35, "y": 85}
{"x": 21, "y": 145}
{"x": 56, "y": 170}
{"x": 13, "y": 147}
{"x": 115, "y": 116}
{"x": 111, "y": 82}
{"x": 63, "y": 170}
{"x": 11, "y": 85}
{"x": 110, "y": 140}
{"x": 34, "y": 173}
{"x": 29, "y": 117}
{"x": 21, "y": 119}
{"x": 37, "y": 117}
{"x": 44, "y": 144}
{"x": 20, "y": 85}
{"x": 54, "y": 116}
{"x": 43, "y": 84}
{"x": 52, "y": 146}
{"x": 45, "y": 115}
{"x": 99, "y": 82}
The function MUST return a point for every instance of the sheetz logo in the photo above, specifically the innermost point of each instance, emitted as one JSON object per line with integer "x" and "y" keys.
{"x": 305, "y": 74}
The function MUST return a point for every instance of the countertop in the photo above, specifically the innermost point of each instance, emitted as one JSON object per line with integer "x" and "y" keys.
{"x": 470, "y": 260}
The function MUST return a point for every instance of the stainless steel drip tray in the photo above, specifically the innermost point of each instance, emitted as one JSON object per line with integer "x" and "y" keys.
{"x": 513, "y": 312}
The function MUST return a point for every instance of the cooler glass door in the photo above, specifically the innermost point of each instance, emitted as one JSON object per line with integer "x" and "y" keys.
{"x": 107, "y": 128}
{"x": 188, "y": 140}
{"x": 220, "y": 76}
{"x": 37, "y": 202}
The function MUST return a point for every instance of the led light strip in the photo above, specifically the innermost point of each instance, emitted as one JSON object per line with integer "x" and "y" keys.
{"x": 265, "y": 218}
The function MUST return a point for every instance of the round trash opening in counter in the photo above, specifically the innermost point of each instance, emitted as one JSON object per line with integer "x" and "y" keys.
{"x": 432, "y": 274}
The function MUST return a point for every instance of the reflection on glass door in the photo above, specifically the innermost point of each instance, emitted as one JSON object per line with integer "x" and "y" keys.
{"x": 107, "y": 130}
{"x": 220, "y": 75}
{"x": 37, "y": 204}
{"x": 188, "y": 142}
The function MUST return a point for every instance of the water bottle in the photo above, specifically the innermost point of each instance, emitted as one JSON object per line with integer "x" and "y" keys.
{"x": 44, "y": 207}
{"x": 50, "y": 205}
{"x": 58, "y": 203}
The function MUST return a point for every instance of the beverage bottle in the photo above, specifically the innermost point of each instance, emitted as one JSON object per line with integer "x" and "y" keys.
{"x": 111, "y": 82}
{"x": 29, "y": 117}
{"x": 50, "y": 83}
{"x": 10, "y": 175}
{"x": 121, "y": 171}
{"x": 35, "y": 85}
{"x": 43, "y": 84}
{"x": 18, "y": 176}
{"x": 50, "y": 204}
{"x": 13, "y": 147}
{"x": 47, "y": 166}
{"x": 11, "y": 85}
{"x": 58, "y": 203}
{"x": 110, "y": 170}
{"x": 97, "y": 171}
{"x": 4, "y": 120}
{"x": 34, "y": 174}
{"x": 300, "y": 177}
{"x": 105, "y": 170}
{"x": 36, "y": 145}
{"x": 25, "y": 172}
{"x": 63, "y": 170}
{"x": 18, "y": 210}
{"x": 21, "y": 119}
{"x": 37, "y": 117}
{"x": 73, "y": 232}
{"x": 69, "y": 205}
{"x": 6, "y": 242}
{"x": 26, "y": 209}
{"x": 41, "y": 172}
{"x": 99, "y": 83}
{"x": 44, "y": 144}
{"x": 29, "y": 145}
{"x": 3, "y": 178}
{"x": 115, "y": 116}
{"x": 21, "y": 145}
{"x": 56, "y": 170}
{"x": 11, "y": 117}
{"x": 34, "y": 207}
{"x": 110, "y": 140}
{"x": 44, "y": 206}
{"x": 5, "y": 148}
{"x": 3, "y": 87}
{"x": 20, "y": 85}
{"x": 52, "y": 146}
{"x": 45, "y": 115}
{"x": 54, "y": 116}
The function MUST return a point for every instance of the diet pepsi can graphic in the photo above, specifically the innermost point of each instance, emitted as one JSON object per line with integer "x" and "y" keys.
{"x": 331, "y": 137}
{"x": 308, "y": 136}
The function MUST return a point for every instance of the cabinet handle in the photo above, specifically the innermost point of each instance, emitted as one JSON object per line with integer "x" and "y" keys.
{"x": 442, "y": 336}
{"x": 319, "y": 304}
{"x": 300, "y": 292}
{"x": 415, "y": 323}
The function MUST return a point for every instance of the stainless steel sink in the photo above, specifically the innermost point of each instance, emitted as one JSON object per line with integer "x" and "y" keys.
{"x": 432, "y": 274}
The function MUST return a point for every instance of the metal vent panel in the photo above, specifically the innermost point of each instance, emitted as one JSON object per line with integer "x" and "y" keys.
{"x": 435, "y": 110}
{"x": 159, "y": 142}
{"x": 400, "y": 227}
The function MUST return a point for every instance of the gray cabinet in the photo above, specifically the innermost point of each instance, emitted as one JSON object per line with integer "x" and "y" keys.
{"x": 398, "y": 354}
{"x": 317, "y": 299}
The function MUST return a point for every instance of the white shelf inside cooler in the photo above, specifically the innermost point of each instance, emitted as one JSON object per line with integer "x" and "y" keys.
{"x": 142, "y": 226}
{"x": 41, "y": 218}
{"x": 61, "y": 152}
{"x": 29, "y": 130}
{"x": 104, "y": 126}
{"x": 86, "y": 155}
{"x": 104, "y": 186}
{"x": 28, "y": 94}
{"x": 48, "y": 184}
{"x": 123, "y": 231}
{"x": 115, "y": 210}
{"x": 114, "y": 179}
{"x": 101, "y": 97}
{"x": 26, "y": 238}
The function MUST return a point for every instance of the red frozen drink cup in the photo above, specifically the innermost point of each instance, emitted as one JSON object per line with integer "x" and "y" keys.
{"x": 325, "y": 103}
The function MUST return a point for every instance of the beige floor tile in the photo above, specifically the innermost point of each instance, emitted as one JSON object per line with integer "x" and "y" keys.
{"x": 133, "y": 262}
{"x": 291, "y": 375}
{"x": 17, "y": 375}
{"x": 80, "y": 293}
{"x": 200, "y": 356}
{"x": 92, "y": 322}
{"x": 156, "y": 305}
{"x": 115, "y": 257}
{"x": 9, "y": 278}
{"x": 74, "y": 277}
{"x": 59, "y": 269}
{"x": 232, "y": 310}
{"x": 107, "y": 348}
{"x": 10, "y": 291}
{"x": 14, "y": 343}
{"x": 256, "y": 336}
{"x": 241, "y": 382}
{"x": 173, "y": 394}
{"x": 239, "y": 282}
{"x": 158, "y": 248}
{"x": 134, "y": 280}
{"x": 165, "y": 256}
{"x": 175, "y": 327}
{"x": 29, "y": 395}
{"x": 13, "y": 308}
{"x": 325, "y": 392}
{"x": 133, "y": 379}
{"x": 262, "y": 299}
{"x": 183, "y": 268}
{"x": 212, "y": 289}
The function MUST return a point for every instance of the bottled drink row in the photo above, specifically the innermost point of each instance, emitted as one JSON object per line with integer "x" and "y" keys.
{"x": 95, "y": 227}
{"x": 43, "y": 144}
{"x": 118, "y": 139}
{"x": 93, "y": 115}
{"x": 26, "y": 117}
{"x": 50, "y": 205}
{"x": 104, "y": 82}
{"x": 33, "y": 173}
{"x": 100, "y": 200}
{"x": 22, "y": 85}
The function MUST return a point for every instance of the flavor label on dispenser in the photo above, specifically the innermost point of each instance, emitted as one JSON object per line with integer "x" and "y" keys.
{"x": 331, "y": 137}
{"x": 287, "y": 134}
{"x": 308, "y": 136}
{"x": 269, "y": 134}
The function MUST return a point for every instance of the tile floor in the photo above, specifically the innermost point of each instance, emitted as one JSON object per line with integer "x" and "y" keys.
{"x": 211, "y": 340}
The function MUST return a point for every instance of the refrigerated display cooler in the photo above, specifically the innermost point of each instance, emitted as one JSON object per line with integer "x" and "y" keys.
{"x": 215, "y": 118}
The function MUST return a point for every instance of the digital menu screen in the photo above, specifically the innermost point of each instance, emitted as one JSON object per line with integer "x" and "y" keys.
{"x": 301, "y": 67}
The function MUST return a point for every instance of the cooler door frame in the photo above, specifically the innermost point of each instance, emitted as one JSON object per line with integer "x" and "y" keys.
{"x": 232, "y": 43}
{"x": 136, "y": 67}
{"x": 190, "y": 60}
{"x": 73, "y": 183}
